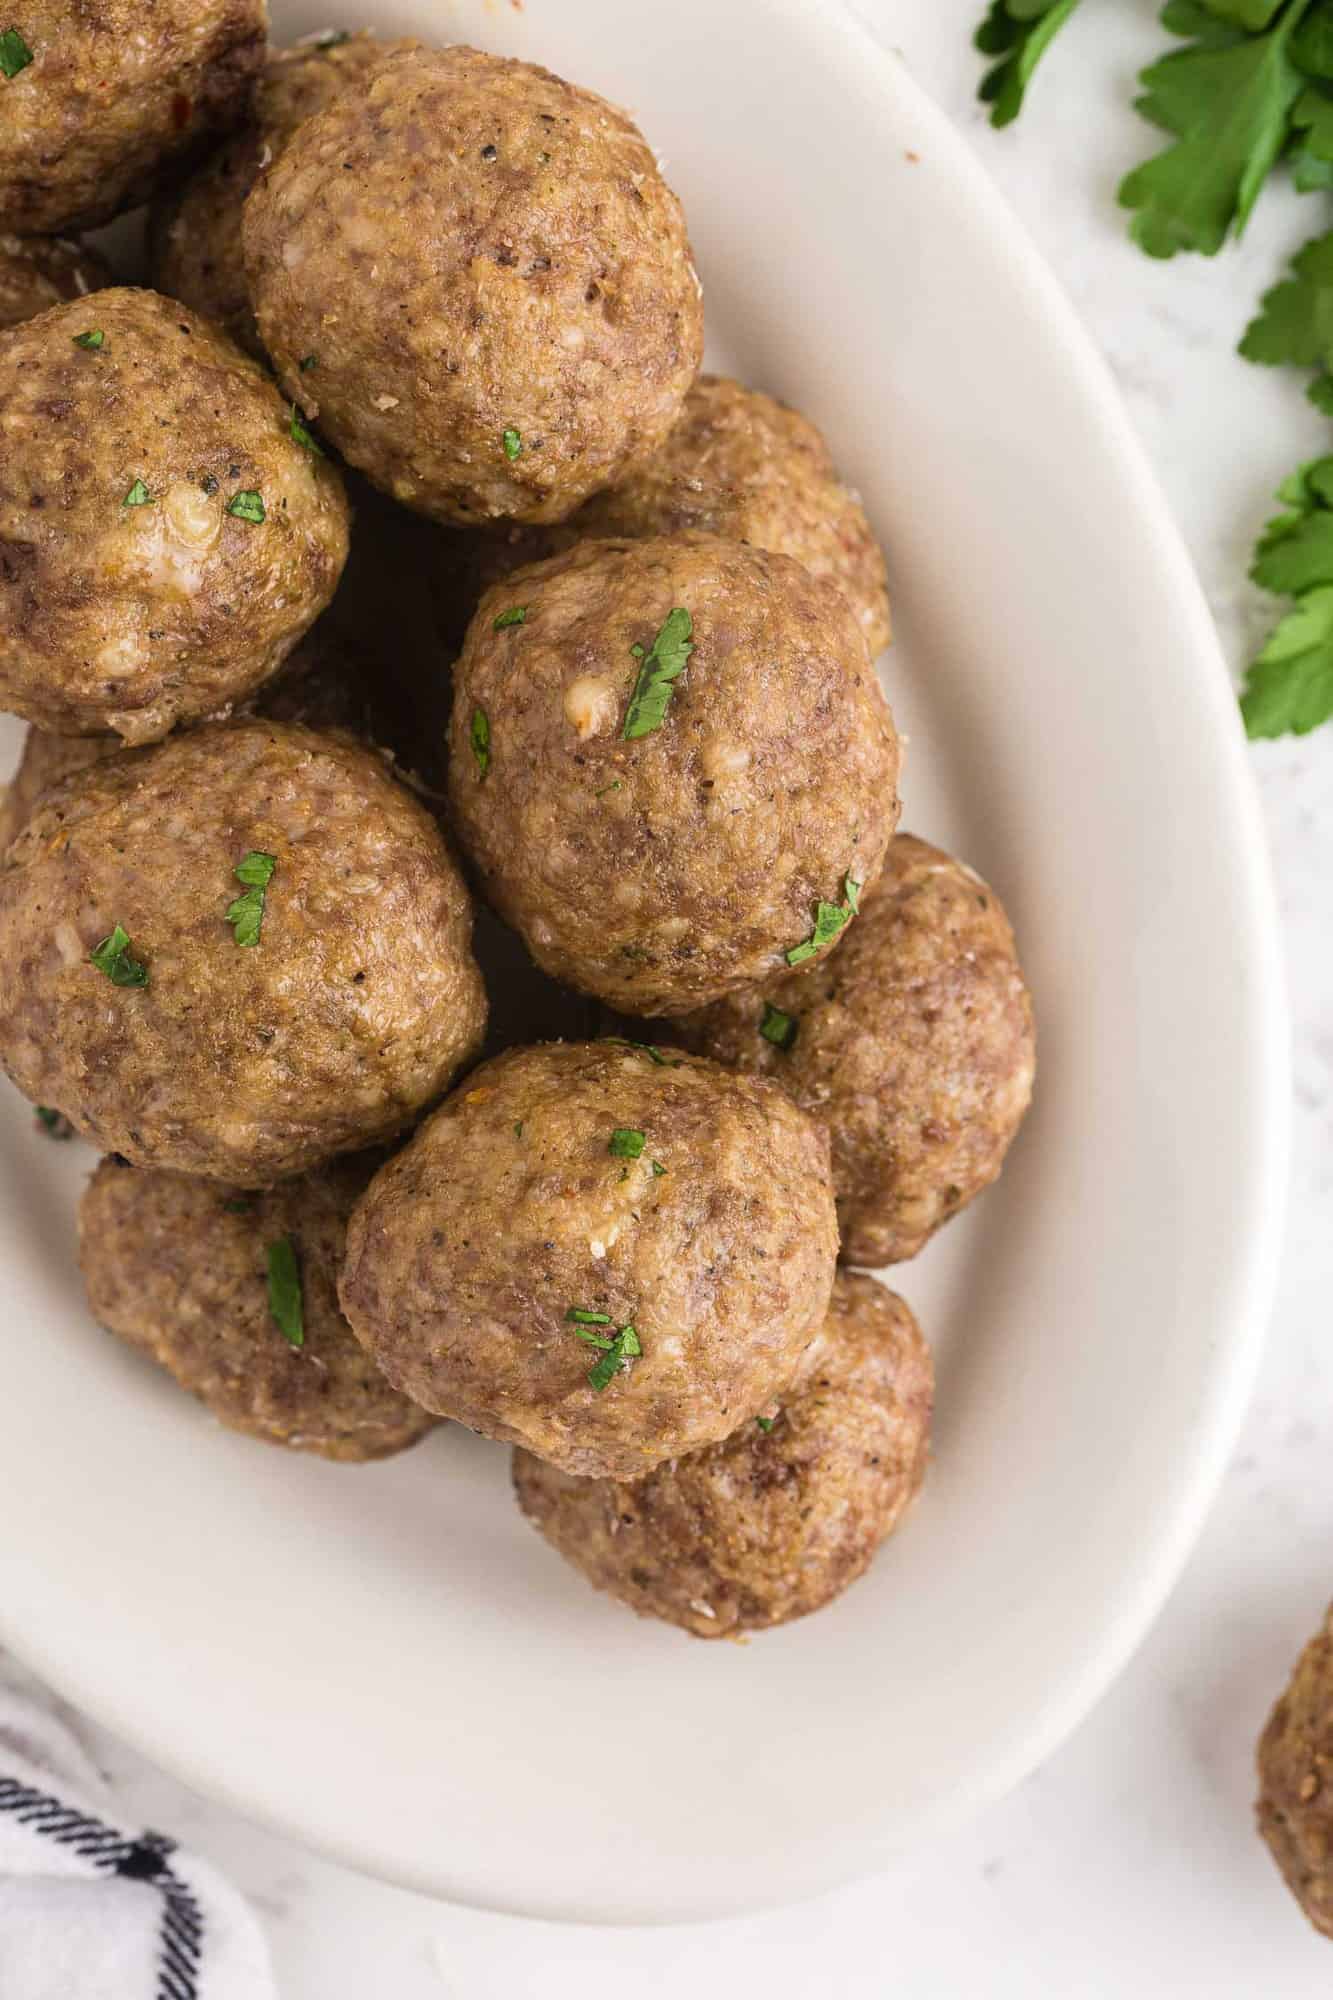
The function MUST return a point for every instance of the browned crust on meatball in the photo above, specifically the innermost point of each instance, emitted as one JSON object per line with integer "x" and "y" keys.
{"x": 194, "y": 230}
{"x": 1295, "y": 1804}
{"x": 770, "y": 1524}
{"x": 914, "y": 1045}
{"x": 37, "y": 272}
{"x": 662, "y": 872}
{"x": 353, "y": 1012}
{"x": 117, "y": 91}
{"x": 737, "y": 463}
{"x": 508, "y": 1209}
{"x": 473, "y": 247}
{"x": 179, "y": 1269}
{"x": 46, "y": 759}
{"x": 133, "y": 617}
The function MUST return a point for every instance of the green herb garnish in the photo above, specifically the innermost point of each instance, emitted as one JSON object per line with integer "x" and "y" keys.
{"x": 92, "y": 340}
{"x": 626, "y": 1143}
{"x": 513, "y": 445}
{"x": 138, "y": 495}
{"x": 284, "y": 1291}
{"x": 777, "y": 1027}
{"x": 624, "y": 1347}
{"x": 831, "y": 919}
{"x": 53, "y": 1123}
{"x": 516, "y": 615}
{"x": 246, "y": 914}
{"x": 1018, "y": 33}
{"x": 247, "y": 506}
{"x": 310, "y": 361}
{"x": 240, "y": 1204}
{"x": 581, "y": 1316}
{"x": 645, "y": 1049}
{"x": 299, "y": 435}
{"x": 659, "y": 670}
{"x": 765, "y": 1423}
{"x": 518, "y": 1129}
{"x": 112, "y": 956}
{"x": 14, "y": 53}
{"x": 658, "y": 1169}
{"x": 481, "y": 740}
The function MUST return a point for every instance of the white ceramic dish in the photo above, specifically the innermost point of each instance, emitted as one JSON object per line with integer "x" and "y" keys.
{"x": 386, "y": 1662}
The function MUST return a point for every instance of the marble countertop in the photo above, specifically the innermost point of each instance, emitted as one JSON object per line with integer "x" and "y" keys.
{"x": 1127, "y": 1865}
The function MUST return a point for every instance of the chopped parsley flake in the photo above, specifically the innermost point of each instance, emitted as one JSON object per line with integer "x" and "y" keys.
{"x": 765, "y": 1423}
{"x": 831, "y": 919}
{"x": 113, "y": 958}
{"x": 247, "y": 506}
{"x": 777, "y": 1027}
{"x": 623, "y": 1348}
{"x": 284, "y": 1291}
{"x": 626, "y": 1143}
{"x": 518, "y": 1129}
{"x": 240, "y": 1204}
{"x": 14, "y": 53}
{"x": 310, "y": 361}
{"x": 481, "y": 741}
{"x": 92, "y": 340}
{"x": 138, "y": 495}
{"x": 580, "y": 1316}
{"x": 645, "y": 1049}
{"x": 513, "y": 445}
{"x": 246, "y": 914}
{"x": 299, "y": 435}
{"x": 659, "y": 670}
{"x": 53, "y": 1123}
{"x": 516, "y": 615}
{"x": 658, "y": 1169}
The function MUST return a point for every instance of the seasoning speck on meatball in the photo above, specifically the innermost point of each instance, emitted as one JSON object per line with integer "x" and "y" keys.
{"x": 235, "y": 954}
{"x": 235, "y": 1295}
{"x": 777, "y": 1519}
{"x": 914, "y": 1046}
{"x": 488, "y": 278}
{"x": 1295, "y": 1806}
{"x": 690, "y": 772}
{"x": 607, "y": 1252}
{"x": 165, "y": 537}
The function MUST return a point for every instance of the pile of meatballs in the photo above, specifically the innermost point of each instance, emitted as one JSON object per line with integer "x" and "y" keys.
{"x": 745, "y": 1033}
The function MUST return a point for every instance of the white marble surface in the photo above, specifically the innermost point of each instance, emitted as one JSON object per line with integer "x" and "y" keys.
{"x": 1127, "y": 1866}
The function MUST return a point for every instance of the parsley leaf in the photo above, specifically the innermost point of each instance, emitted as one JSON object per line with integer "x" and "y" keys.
{"x": 14, "y": 53}
{"x": 481, "y": 740}
{"x": 138, "y": 495}
{"x": 1289, "y": 687}
{"x": 658, "y": 1170}
{"x": 1294, "y": 324}
{"x": 779, "y": 1028}
{"x": 645, "y": 1049}
{"x": 580, "y": 1316}
{"x": 659, "y": 669}
{"x": 92, "y": 340}
{"x": 621, "y": 1349}
{"x": 513, "y": 445}
{"x": 308, "y": 362}
{"x": 247, "y": 506}
{"x": 1228, "y": 104}
{"x": 516, "y": 615}
{"x": 246, "y": 914}
{"x": 113, "y": 957}
{"x": 831, "y": 919}
{"x": 1018, "y": 32}
{"x": 626, "y": 1143}
{"x": 284, "y": 1291}
{"x": 299, "y": 434}
{"x": 765, "y": 1423}
{"x": 53, "y": 1123}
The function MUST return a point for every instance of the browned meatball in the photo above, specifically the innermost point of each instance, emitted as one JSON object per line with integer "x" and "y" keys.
{"x": 737, "y": 463}
{"x": 608, "y": 1253}
{"x": 241, "y": 1044}
{"x": 191, "y": 1274}
{"x": 164, "y": 539}
{"x": 195, "y": 229}
{"x": 661, "y": 856}
{"x": 913, "y": 1044}
{"x": 114, "y": 92}
{"x": 1295, "y": 1806}
{"x": 37, "y": 272}
{"x": 44, "y": 761}
{"x": 475, "y": 275}
{"x": 781, "y": 1516}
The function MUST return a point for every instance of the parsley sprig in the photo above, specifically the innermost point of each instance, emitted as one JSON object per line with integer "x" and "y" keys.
{"x": 1017, "y": 33}
{"x": 246, "y": 914}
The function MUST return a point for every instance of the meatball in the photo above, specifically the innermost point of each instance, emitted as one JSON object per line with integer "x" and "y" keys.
{"x": 130, "y": 1001}
{"x": 165, "y": 539}
{"x": 1295, "y": 1807}
{"x": 197, "y": 1275}
{"x": 109, "y": 94}
{"x": 194, "y": 237}
{"x": 913, "y": 1045}
{"x": 737, "y": 463}
{"x": 475, "y": 275}
{"x": 780, "y": 1517}
{"x": 42, "y": 271}
{"x": 661, "y": 841}
{"x": 44, "y": 761}
{"x": 606, "y": 1252}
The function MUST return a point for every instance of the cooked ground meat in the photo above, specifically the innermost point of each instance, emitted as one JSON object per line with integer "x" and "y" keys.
{"x": 164, "y": 539}
{"x": 1295, "y": 1806}
{"x": 194, "y": 239}
{"x": 663, "y": 870}
{"x": 780, "y": 1517}
{"x": 657, "y": 1195}
{"x": 913, "y": 1044}
{"x": 117, "y": 91}
{"x": 37, "y": 272}
{"x": 352, "y": 1011}
{"x": 179, "y": 1268}
{"x": 487, "y": 279}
